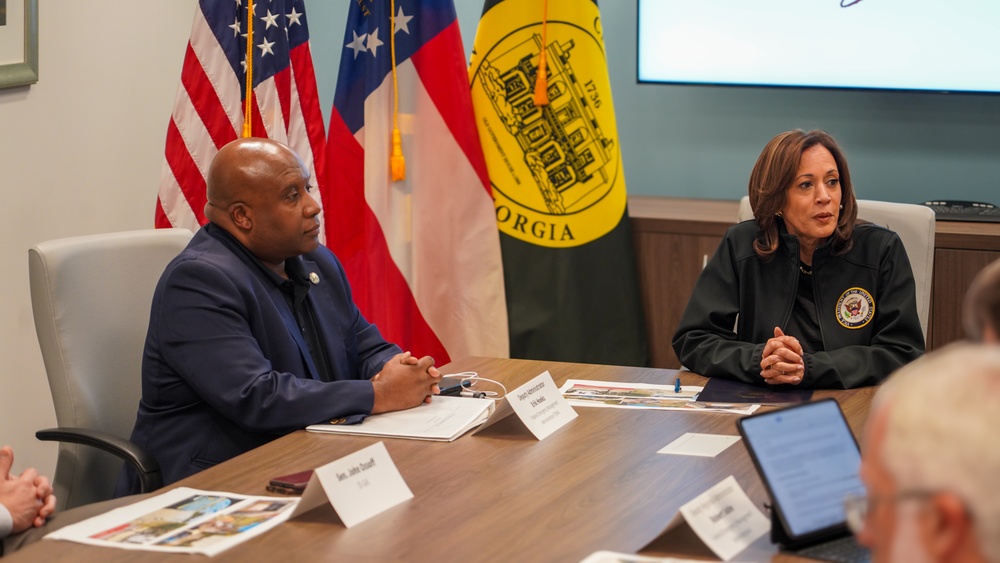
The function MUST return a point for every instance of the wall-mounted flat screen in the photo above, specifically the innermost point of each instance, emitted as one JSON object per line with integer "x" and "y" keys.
{"x": 936, "y": 45}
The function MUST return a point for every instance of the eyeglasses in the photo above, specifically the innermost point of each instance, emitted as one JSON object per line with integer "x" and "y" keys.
{"x": 858, "y": 506}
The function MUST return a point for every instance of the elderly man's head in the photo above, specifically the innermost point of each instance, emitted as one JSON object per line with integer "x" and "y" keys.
{"x": 930, "y": 460}
{"x": 982, "y": 306}
{"x": 258, "y": 191}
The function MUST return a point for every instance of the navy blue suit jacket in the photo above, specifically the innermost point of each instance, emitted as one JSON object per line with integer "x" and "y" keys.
{"x": 226, "y": 368}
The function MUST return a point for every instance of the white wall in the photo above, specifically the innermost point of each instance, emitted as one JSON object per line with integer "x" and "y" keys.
{"x": 80, "y": 153}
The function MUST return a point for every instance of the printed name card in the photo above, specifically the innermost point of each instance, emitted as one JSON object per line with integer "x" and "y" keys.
{"x": 359, "y": 486}
{"x": 538, "y": 404}
{"x": 724, "y": 518}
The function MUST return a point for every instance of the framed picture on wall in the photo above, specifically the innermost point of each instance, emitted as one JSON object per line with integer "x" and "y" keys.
{"x": 18, "y": 42}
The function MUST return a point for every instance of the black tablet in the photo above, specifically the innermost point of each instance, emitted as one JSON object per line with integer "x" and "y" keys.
{"x": 809, "y": 462}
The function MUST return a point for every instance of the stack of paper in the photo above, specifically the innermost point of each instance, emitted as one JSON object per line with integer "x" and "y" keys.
{"x": 444, "y": 419}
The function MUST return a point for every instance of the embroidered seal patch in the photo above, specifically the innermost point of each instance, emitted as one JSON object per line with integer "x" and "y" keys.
{"x": 855, "y": 308}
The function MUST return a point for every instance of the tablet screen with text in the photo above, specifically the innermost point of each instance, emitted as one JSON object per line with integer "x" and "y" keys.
{"x": 809, "y": 461}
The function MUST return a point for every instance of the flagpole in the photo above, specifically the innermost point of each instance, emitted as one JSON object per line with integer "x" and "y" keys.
{"x": 247, "y": 104}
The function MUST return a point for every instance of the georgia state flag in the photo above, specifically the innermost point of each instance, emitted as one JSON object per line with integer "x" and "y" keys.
{"x": 422, "y": 253}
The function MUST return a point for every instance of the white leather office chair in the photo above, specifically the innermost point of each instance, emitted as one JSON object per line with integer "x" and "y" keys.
{"x": 915, "y": 226}
{"x": 91, "y": 297}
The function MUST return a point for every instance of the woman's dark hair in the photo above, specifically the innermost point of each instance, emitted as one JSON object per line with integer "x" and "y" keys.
{"x": 773, "y": 175}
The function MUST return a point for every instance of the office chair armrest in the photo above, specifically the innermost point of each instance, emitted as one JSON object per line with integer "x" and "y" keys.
{"x": 147, "y": 467}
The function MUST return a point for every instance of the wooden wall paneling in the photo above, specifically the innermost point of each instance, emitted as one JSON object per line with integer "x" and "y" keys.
{"x": 669, "y": 263}
{"x": 673, "y": 235}
{"x": 953, "y": 272}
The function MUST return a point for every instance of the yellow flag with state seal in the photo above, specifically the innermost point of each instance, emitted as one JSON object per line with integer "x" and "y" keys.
{"x": 542, "y": 98}
{"x": 555, "y": 168}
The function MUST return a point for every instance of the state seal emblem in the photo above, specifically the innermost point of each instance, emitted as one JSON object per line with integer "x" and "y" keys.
{"x": 855, "y": 308}
{"x": 555, "y": 169}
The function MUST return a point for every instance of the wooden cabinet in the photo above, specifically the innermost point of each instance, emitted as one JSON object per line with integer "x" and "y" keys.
{"x": 674, "y": 237}
{"x": 961, "y": 250}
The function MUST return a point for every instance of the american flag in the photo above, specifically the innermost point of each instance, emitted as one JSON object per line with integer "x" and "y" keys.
{"x": 422, "y": 254}
{"x": 208, "y": 109}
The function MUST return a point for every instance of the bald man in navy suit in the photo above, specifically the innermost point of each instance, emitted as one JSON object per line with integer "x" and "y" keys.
{"x": 253, "y": 333}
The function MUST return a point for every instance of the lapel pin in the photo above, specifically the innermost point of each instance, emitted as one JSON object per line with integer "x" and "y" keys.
{"x": 314, "y": 277}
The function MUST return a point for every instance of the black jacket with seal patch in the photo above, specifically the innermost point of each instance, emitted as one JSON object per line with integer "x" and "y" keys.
{"x": 739, "y": 289}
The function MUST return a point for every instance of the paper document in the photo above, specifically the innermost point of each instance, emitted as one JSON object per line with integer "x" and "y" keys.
{"x": 616, "y": 394}
{"x": 702, "y": 445}
{"x": 444, "y": 419}
{"x": 182, "y": 521}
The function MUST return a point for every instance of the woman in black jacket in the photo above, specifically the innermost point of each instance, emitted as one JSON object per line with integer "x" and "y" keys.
{"x": 805, "y": 294}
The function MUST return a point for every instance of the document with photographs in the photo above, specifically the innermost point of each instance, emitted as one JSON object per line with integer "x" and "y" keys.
{"x": 616, "y": 394}
{"x": 182, "y": 521}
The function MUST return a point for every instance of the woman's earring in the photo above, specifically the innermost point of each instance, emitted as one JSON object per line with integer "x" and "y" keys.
{"x": 778, "y": 214}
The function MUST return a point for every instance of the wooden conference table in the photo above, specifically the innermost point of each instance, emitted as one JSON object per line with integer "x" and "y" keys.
{"x": 501, "y": 495}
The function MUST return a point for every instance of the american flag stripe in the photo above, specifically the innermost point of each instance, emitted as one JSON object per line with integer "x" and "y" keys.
{"x": 180, "y": 213}
{"x": 186, "y": 173}
{"x": 298, "y": 134}
{"x": 208, "y": 108}
{"x": 205, "y": 100}
{"x": 198, "y": 142}
{"x": 220, "y": 75}
{"x": 196, "y": 117}
{"x": 283, "y": 84}
{"x": 308, "y": 106}
{"x": 267, "y": 111}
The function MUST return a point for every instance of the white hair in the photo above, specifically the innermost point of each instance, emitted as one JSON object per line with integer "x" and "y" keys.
{"x": 943, "y": 416}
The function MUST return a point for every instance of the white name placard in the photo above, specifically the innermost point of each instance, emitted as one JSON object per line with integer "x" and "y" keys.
{"x": 724, "y": 518}
{"x": 359, "y": 486}
{"x": 538, "y": 404}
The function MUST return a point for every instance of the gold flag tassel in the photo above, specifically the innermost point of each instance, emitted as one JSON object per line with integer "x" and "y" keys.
{"x": 396, "y": 161}
{"x": 248, "y": 103}
{"x": 541, "y": 97}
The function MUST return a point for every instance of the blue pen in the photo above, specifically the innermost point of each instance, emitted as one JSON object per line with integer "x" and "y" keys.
{"x": 677, "y": 385}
